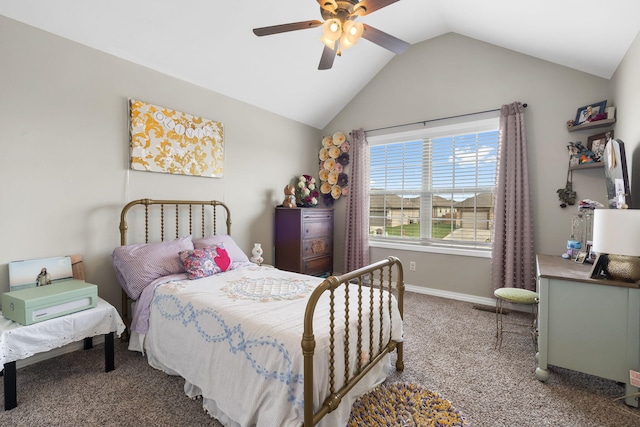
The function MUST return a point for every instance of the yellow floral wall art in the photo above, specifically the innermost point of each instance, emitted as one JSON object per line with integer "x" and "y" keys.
{"x": 168, "y": 141}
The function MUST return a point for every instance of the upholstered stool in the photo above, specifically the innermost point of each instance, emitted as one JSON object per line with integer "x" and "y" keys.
{"x": 516, "y": 296}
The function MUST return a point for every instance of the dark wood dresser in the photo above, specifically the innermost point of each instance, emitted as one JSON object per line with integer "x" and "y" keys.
{"x": 304, "y": 240}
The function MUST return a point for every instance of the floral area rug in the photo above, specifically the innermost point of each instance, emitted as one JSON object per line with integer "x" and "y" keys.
{"x": 404, "y": 405}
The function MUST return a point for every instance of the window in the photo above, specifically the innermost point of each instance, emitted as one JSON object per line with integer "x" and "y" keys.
{"x": 435, "y": 186}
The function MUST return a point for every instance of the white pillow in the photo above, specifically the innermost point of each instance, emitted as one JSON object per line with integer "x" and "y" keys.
{"x": 234, "y": 251}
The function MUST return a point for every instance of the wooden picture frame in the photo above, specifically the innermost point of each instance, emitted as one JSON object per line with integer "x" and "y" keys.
{"x": 597, "y": 143}
{"x": 588, "y": 111}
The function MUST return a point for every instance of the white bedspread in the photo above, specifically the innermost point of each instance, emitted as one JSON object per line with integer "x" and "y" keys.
{"x": 235, "y": 338}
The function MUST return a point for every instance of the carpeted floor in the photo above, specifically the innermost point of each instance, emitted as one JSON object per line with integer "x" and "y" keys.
{"x": 449, "y": 350}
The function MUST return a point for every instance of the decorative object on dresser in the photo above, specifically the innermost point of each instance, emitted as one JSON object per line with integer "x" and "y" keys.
{"x": 289, "y": 197}
{"x": 304, "y": 240}
{"x": 307, "y": 192}
{"x": 618, "y": 253}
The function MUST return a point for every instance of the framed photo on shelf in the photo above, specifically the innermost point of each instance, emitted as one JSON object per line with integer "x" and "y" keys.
{"x": 588, "y": 111}
{"x": 597, "y": 144}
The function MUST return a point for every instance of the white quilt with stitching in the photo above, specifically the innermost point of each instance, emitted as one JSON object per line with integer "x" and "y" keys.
{"x": 235, "y": 338}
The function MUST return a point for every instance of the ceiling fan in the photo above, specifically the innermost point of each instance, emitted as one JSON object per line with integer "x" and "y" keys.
{"x": 340, "y": 30}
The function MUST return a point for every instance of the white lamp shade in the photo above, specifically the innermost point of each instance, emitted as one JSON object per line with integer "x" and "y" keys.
{"x": 351, "y": 34}
{"x": 616, "y": 231}
{"x": 331, "y": 32}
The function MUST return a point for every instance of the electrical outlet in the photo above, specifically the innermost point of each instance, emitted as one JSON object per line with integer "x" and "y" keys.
{"x": 634, "y": 377}
{"x": 412, "y": 265}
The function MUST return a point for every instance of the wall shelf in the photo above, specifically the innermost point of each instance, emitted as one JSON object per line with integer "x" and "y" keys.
{"x": 593, "y": 165}
{"x": 591, "y": 125}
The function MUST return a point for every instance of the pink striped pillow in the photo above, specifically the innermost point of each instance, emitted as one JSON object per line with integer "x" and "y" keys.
{"x": 136, "y": 266}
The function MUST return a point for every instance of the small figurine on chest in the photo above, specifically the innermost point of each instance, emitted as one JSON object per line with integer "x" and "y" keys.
{"x": 289, "y": 197}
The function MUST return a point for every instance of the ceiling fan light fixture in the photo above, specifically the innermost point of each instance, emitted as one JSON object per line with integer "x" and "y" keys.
{"x": 332, "y": 29}
{"x": 331, "y": 32}
{"x": 351, "y": 34}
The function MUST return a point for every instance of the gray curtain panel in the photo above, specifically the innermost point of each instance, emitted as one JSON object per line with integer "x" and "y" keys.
{"x": 356, "y": 242}
{"x": 513, "y": 257}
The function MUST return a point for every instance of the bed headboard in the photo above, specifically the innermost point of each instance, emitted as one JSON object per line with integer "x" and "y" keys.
{"x": 148, "y": 220}
{"x": 184, "y": 216}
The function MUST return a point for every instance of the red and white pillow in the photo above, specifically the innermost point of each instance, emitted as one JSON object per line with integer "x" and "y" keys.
{"x": 205, "y": 262}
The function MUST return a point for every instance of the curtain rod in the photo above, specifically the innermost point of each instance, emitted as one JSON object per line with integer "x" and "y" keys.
{"x": 424, "y": 122}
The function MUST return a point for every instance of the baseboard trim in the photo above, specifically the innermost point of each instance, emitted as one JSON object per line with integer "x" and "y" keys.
{"x": 74, "y": 346}
{"x": 483, "y": 301}
{"x": 451, "y": 295}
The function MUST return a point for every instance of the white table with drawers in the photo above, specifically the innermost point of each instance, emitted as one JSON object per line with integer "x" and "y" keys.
{"x": 587, "y": 325}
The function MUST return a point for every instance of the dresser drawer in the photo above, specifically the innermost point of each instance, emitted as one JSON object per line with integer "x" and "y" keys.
{"x": 317, "y": 247}
{"x": 316, "y": 228}
{"x": 317, "y": 215}
{"x": 318, "y": 265}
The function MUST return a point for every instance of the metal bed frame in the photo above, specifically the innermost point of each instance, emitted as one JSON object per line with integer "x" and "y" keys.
{"x": 385, "y": 275}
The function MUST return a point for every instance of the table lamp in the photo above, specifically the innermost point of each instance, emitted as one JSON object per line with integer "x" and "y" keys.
{"x": 616, "y": 240}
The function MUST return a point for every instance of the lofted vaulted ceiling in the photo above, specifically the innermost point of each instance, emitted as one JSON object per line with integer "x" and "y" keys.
{"x": 210, "y": 42}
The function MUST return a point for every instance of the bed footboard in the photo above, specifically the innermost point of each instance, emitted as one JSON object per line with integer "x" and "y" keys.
{"x": 385, "y": 279}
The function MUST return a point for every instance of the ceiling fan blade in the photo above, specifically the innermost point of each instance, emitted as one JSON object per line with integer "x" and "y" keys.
{"x": 385, "y": 40}
{"x": 326, "y": 60}
{"x": 283, "y": 28}
{"x": 329, "y": 5}
{"x": 366, "y": 7}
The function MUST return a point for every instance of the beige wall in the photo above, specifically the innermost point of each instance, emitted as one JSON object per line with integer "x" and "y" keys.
{"x": 452, "y": 75}
{"x": 64, "y": 153}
